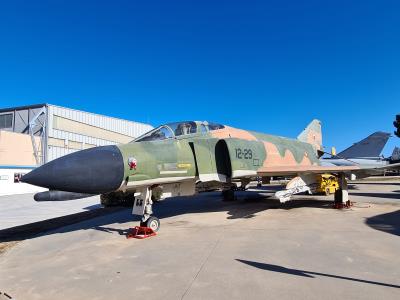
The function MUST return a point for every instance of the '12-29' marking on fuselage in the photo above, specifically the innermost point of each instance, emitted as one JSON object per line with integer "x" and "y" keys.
{"x": 243, "y": 153}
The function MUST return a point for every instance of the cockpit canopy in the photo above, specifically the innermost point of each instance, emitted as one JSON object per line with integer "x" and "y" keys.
{"x": 176, "y": 129}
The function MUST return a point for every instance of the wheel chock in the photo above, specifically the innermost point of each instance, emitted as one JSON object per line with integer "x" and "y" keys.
{"x": 341, "y": 205}
{"x": 140, "y": 232}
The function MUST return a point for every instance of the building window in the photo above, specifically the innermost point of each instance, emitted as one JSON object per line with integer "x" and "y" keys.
{"x": 6, "y": 121}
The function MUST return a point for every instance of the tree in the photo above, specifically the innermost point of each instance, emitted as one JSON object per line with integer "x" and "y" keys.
{"x": 396, "y": 124}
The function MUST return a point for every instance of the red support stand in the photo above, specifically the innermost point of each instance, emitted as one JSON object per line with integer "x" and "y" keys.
{"x": 139, "y": 232}
{"x": 341, "y": 205}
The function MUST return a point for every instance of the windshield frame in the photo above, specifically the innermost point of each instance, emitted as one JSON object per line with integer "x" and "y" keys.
{"x": 149, "y": 133}
{"x": 198, "y": 127}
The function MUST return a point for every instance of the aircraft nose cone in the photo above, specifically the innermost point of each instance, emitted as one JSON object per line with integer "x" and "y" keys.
{"x": 95, "y": 171}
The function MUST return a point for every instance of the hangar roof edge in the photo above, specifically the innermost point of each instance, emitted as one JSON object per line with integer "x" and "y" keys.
{"x": 22, "y": 107}
{"x": 2, "y": 110}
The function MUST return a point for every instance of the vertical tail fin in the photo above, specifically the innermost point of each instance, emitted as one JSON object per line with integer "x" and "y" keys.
{"x": 312, "y": 134}
{"x": 371, "y": 146}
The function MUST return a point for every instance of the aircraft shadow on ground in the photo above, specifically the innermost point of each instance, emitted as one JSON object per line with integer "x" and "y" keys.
{"x": 91, "y": 207}
{"x": 353, "y": 187}
{"x": 389, "y": 222}
{"x": 375, "y": 183}
{"x": 247, "y": 205}
{"x": 377, "y": 195}
{"x": 309, "y": 274}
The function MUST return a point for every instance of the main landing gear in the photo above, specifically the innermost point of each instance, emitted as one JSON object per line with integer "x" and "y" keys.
{"x": 341, "y": 199}
{"x": 228, "y": 189}
{"x": 228, "y": 195}
{"x": 143, "y": 207}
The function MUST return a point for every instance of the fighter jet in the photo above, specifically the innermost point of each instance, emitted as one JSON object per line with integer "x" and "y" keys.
{"x": 177, "y": 158}
{"x": 366, "y": 154}
{"x": 368, "y": 148}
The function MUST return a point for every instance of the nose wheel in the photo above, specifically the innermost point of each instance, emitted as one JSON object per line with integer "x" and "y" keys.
{"x": 152, "y": 222}
{"x": 143, "y": 207}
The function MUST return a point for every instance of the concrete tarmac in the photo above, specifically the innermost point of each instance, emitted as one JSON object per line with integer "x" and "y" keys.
{"x": 17, "y": 210}
{"x": 252, "y": 248}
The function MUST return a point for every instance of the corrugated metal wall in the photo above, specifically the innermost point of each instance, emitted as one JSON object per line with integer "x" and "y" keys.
{"x": 21, "y": 118}
{"x": 124, "y": 127}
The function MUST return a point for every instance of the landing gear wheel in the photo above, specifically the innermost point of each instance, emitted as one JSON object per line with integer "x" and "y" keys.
{"x": 153, "y": 223}
{"x": 338, "y": 197}
{"x": 228, "y": 195}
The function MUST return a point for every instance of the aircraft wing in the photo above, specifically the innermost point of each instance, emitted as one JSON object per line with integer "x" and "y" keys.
{"x": 294, "y": 170}
{"x": 395, "y": 166}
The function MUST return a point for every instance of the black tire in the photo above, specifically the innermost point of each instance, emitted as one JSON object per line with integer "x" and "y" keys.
{"x": 228, "y": 195}
{"x": 107, "y": 200}
{"x": 338, "y": 197}
{"x": 115, "y": 199}
{"x": 152, "y": 222}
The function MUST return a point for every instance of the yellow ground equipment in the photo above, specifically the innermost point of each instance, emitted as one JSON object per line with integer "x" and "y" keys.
{"x": 327, "y": 184}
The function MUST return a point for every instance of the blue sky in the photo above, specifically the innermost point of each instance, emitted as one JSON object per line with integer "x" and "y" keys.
{"x": 269, "y": 66}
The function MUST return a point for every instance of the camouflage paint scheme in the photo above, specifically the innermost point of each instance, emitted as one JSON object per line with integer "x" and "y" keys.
{"x": 178, "y": 159}
{"x": 250, "y": 153}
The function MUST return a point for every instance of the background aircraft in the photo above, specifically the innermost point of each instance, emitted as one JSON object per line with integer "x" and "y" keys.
{"x": 369, "y": 148}
{"x": 366, "y": 154}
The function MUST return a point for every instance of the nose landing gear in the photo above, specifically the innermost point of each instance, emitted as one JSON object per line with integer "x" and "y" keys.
{"x": 143, "y": 207}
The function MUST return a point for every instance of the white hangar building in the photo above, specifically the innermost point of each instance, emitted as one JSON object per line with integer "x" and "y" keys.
{"x": 35, "y": 134}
